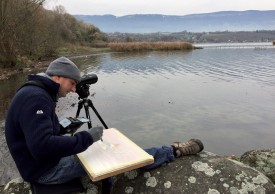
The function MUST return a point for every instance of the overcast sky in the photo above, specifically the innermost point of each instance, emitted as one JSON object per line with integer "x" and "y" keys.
{"x": 165, "y": 7}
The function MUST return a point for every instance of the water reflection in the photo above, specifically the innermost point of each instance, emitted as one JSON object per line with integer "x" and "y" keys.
{"x": 142, "y": 63}
{"x": 88, "y": 63}
{"x": 224, "y": 97}
{"x": 8, "y": 89}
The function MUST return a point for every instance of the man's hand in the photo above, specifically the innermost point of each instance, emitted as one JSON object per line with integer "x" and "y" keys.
{"x": 96, "y": 133}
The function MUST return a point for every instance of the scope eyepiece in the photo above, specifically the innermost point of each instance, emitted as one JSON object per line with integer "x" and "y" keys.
{"x": 82, "y": 88}
{"x": 88, "y": 79}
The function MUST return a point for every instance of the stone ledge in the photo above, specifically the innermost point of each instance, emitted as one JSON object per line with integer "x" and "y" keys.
{"x": 202, "y": 173}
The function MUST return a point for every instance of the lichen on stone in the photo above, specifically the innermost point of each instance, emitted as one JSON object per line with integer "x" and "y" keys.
{"x": 203, "y": 155}
{"x": 203, "y": 167}
{"x": 192, "y": 179}
{"x": 272, "y": 161}
{"x": 260, "y": 179}
{"x": 147, "y": 174}
{"x": 210, "y": 153}
{"x": 151, "y": 182}
{"x": 213, "y": 191}
{"x": 131, "y": 174}
{"x": 225, "y": 185}
{"x": 251, "y": 184}
{"x": 129, "y": 190}
{"x": 167, "y": 184}
{"x": 248, "y": 187}
{"x": 240, "y": 176}
{"x": 210, "y": 172}
{"x": 234, "y": 190}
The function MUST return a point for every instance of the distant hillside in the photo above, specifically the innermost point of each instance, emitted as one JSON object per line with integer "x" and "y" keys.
{"x": 196, "y": 37}
{"x": 209, "y": 22}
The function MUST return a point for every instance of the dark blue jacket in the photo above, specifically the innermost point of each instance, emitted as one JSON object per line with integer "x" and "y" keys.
{"x": 33, "y": 132}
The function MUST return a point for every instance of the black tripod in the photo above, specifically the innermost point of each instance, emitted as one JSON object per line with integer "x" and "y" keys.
{"x": 88, "y": 103}
{"x": 106, "y": 183}
{"x": 82, "y": 89}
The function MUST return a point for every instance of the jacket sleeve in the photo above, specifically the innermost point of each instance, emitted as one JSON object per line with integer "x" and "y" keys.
{"x": 62, "y": 130}
{"x": 39, "y": 129}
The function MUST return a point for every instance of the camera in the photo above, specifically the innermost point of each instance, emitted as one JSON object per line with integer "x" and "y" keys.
{"x": 82, "y": 88}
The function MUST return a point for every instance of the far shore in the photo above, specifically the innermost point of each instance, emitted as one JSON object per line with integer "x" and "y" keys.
{"x": 73, "y": 51}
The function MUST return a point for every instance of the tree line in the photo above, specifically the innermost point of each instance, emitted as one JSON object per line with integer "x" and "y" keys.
{"x": 196, "y": 37}
{"x": 30, "y": 32}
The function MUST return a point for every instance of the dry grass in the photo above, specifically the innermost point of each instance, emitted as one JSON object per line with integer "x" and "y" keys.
{"x": 74, "y": 49}
{"x": 147, "y": 46}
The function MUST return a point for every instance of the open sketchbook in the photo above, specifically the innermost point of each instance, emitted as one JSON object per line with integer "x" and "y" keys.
{"x": 114, "y": 155}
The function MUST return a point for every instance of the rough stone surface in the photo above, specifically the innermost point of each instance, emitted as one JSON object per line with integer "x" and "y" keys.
{"x": 262, "y": 160}
{"x": 8, "y": 170}
{"x": 204, "y": 173}
{"x": 19, "y": 186}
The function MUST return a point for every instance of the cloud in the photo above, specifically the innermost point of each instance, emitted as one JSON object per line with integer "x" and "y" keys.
{"x": 167, "y": 7}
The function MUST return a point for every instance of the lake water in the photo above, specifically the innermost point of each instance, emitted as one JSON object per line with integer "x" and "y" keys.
{"x": 224, "y": 96}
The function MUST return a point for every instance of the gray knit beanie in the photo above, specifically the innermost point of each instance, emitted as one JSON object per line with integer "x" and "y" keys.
{"x": 65, "y": 68}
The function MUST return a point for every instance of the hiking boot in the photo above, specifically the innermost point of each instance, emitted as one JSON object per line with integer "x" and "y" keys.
{"x": 193, "y": 146}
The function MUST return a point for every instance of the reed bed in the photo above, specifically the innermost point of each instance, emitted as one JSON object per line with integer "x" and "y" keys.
{"x": 149, "y": 46}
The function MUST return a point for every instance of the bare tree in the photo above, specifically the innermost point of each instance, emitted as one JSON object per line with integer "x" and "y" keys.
{"x": 16, "y": 19}
{"x": 28, "y": 31}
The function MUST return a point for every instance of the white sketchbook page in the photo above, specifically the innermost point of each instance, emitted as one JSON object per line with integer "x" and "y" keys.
{"x": 116, "y": 154}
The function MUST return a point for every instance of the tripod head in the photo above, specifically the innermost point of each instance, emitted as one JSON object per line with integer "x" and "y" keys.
{"x": 82, "y": 88}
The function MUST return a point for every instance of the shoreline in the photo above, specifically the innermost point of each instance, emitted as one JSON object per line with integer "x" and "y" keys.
{"x": 83, "y": 51}
{"x": 6, "y": 73}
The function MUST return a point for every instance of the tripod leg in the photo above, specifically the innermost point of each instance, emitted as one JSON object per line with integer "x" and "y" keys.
{"x": 97, "y": 114}
{"x": 84, "y": 103}
{"x": 80, "y": 105}
{"x": 86, "y": 107}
